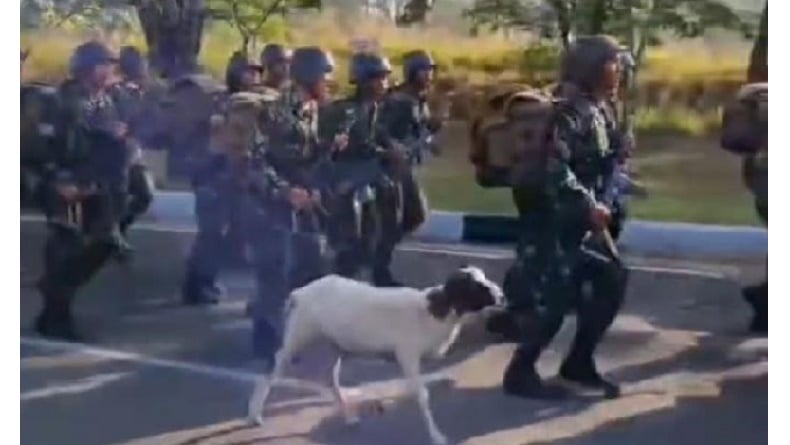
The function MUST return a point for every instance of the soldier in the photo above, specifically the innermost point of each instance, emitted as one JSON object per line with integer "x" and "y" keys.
{"x": 275, "y": 59}
{"x": 407, "y": 118}
{"x": 289, "y": 246}
{"x": 218, "y": 207}
{"x": 88, "y": 190}
{"x": 242, "y": 74}
{"x": 745, "y": 132}
{"x": 563, "y": 238}
{"x": 363, "y": 156}
{"x": 136, "y": 93}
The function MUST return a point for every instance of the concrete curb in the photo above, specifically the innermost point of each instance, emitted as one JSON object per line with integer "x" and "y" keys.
{"x": 642, "y": 238}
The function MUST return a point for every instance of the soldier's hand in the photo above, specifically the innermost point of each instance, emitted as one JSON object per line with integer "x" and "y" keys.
{"x": 341, "y": 142}
{"x": 628, "y": 147}
{"x": 120, "y": 129}
{"x": 299, "y": 198}
{"x": 600, "y": 216}
{"x": 69, "y": 192}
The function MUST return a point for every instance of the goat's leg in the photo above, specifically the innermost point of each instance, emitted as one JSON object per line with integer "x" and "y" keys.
{"x": 297, "y": 334}
{"x": 264, "y": 387}
{"x": 349, "y": 413}
{"x": 410, "y": 364}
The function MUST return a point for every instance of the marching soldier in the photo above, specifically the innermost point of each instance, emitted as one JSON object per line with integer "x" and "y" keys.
{"x": 363, "y": 163}
{"x": 89, "y": 189}
{"x": 218, "y": 204}
{"x": 275, "y": 60}
{"x": 745, "y": 133}
{"x": 135, "y": 95}
{"x": 289, "y": 245}
{"x": 407, "y": 118}
{"x": 563, "y": 234}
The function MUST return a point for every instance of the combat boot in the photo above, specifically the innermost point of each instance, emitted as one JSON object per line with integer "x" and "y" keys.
{"x": 200, "y": 290}
{"x": 522, "y": 380}
{"x": 55, "y": 320}
{"x": 583, "y": 372}
{"x": 757, "y": 297}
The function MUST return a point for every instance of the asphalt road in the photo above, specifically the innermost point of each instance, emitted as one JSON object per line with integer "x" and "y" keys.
{"x": 157, "y": 373}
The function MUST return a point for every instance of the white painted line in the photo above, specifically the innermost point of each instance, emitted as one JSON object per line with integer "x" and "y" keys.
{"x": 679, "y": 271}
{"x": 77, "y": 387}
{"x": 374, "y": 388}
{"x": 195, "y": 368}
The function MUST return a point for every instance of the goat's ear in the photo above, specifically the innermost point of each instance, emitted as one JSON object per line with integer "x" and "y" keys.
{"x": 456, "y": 286}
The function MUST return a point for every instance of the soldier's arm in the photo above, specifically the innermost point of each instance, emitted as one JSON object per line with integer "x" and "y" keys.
{"x": 100, "y": 119}
{"x": 397, "y": 117}
{"x": 561, "y": 183}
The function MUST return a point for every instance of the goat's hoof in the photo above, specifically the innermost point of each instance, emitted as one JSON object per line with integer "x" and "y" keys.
{"x": 439, "y": 439}
{"x": 255, "y": 420}
{"x": 378, "y": 407}
{"x": 351, "y": 420}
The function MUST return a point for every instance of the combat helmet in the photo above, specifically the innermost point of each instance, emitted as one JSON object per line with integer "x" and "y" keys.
{"x": 310, "y": 64}
{"x": 365, "y": 67}
{"x": 274, "y": 53}
{"x": 88, "y": 56}
{"x": 416, "y": 61}
{"x": 583, "y": 62}
{"x": 132, "y": 63}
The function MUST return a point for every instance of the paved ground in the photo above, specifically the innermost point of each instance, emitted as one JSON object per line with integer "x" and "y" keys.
{"x": 159, "y": 374}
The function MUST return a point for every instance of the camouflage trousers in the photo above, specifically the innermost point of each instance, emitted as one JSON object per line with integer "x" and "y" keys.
{"x": 548, "y": 280}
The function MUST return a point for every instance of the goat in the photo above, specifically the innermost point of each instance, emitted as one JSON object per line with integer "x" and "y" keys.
{"x": 360, "y": 319}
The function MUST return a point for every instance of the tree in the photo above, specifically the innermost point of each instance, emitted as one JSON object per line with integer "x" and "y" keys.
{"x": 102, "y": 14}
{"x": 758, "y": 62}
{"x": 249, "y": 16}
{"x": 500, "y": 15}
{"x": 414, "y": 11}
{"x": 173, "y": 32}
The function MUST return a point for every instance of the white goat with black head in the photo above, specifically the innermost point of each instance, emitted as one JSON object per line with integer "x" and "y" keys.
{"x": 359, "y": 319}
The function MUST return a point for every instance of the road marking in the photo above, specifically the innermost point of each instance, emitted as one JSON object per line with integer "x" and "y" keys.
{"x": 680, "y": 271}
{"x": 195, "y": 368}
{"x": 369, "y": 389}
{"x": 80, "y": 386}
{"x": 476, "y": 252}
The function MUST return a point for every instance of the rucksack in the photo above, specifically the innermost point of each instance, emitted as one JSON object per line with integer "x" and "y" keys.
{"x": 510, "y": 147}
{"x": 745, "y": 120}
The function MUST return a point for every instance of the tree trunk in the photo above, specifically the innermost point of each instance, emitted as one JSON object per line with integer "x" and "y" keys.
{"x": 598, "y": 18}
{"x": 173, "y": 31}
{"x": 758, "y": 65}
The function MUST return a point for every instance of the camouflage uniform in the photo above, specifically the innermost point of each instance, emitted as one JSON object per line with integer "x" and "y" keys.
{"x": 744, "y": 132}
{"x": 287, "y": 242}
{"x": 407, "y": 119}
{"x": 363, "y": 186}
{"x": 556, "y": 253}
{"x": 83, "y": 233}
{"x": 219, "y": 209}
{"x": 138, "y": 97}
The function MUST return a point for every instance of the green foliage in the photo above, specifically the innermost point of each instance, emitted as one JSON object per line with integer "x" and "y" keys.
{"x": 76, "y": 14}
{"x": 415, "y": 11}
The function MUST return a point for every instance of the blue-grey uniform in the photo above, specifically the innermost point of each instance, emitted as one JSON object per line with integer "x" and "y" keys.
{"x": 138, "y": 98}
{"x": 289, "y": 245}
{"x": 365, "y": 191}
{"x": 92, "y": 161}
{"x": 407, "y": 119}
{"x": 218, "y": 211}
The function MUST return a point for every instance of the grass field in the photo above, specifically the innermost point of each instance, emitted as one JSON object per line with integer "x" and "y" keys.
{"x": 689, "y": 179}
